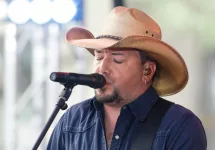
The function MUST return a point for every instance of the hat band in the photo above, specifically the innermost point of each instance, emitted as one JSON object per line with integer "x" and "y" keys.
{"x": 109, "y": 37}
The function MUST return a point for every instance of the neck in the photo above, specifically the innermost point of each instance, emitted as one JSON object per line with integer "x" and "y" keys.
{"x": 111, "y": 114}
{"x": 112, "y": 110}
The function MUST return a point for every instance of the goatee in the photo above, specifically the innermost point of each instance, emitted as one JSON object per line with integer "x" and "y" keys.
{"x": 114, "y": 97}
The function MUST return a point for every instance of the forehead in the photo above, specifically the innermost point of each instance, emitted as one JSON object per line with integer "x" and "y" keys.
{"x": 118, "y": 50}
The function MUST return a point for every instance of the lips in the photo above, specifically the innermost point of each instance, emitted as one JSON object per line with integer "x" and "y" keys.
{"x": 108, "y": 81}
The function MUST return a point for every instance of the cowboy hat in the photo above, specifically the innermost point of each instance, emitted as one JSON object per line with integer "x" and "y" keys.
{"x": 132, "y": 28}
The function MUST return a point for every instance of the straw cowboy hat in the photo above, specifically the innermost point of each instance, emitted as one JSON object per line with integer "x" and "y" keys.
{"x": 132, "y": 28}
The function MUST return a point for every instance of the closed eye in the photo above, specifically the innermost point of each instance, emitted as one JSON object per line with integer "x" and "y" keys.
{"x": 117, "y": 61}
{"x": 99, "y": 58}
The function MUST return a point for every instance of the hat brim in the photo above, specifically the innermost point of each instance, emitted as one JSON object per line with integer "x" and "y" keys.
{"x": 173, "y": 75}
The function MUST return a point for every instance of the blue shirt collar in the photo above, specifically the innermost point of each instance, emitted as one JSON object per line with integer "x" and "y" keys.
{"x": 143, "y": 104}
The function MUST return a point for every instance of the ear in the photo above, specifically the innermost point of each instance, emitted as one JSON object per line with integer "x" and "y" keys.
{"x": 149, "y": 69}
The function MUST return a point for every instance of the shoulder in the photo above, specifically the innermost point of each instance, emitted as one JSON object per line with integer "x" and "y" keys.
{"x": 85, "y": 105}
{"x": 183, "y": 127}
{"x": 78, "y": 118}
{"x": 179, "y": 116}
{"x": 177, "y": 112}
{"x": 78, "y": 113}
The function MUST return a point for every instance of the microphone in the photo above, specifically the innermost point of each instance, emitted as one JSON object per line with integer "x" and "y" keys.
{"x": 94, "y": 80}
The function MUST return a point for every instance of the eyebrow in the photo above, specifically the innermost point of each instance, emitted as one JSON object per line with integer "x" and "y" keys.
{"x": 113, "y": 52}
{"x": 97, "y": 51}
{"x": 117, "y": 53}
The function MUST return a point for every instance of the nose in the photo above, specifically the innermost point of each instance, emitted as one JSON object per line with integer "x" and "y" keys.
{"x": 104, "y": 66}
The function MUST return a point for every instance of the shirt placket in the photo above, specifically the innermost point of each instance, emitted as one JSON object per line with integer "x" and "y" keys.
{"x": 100, "y": 114}
{"x": 121, "y": 128}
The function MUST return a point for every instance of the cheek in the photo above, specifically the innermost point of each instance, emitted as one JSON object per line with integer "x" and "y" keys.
{"x": 130, "y": 77}
{"x": 122, "y": 77}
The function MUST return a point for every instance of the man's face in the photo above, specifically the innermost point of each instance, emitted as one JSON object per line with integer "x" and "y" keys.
{"x": 123, "y": 72}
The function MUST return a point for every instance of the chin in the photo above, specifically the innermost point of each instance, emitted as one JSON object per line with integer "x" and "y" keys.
{"x": 108, "y": 96}
{"x": 103, "y": 92}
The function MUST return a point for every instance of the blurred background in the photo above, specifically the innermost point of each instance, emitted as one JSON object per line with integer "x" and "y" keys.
{"x": 32, "y": 45}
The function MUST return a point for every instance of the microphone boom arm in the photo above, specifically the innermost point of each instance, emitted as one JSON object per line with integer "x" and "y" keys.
{"x": 61, "y": 104}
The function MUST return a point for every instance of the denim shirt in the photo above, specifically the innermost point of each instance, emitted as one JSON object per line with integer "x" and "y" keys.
{"x": 82, "y": 127}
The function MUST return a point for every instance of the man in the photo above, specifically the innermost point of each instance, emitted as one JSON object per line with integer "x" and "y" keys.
{"x": 138, "y": 68}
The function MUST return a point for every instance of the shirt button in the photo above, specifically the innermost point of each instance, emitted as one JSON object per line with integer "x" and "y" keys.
{"x": 117, "y": 137}
{"x": 124, "y": 107}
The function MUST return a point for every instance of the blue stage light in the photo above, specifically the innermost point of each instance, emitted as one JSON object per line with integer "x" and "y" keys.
{"x": 63, "y": 11}
{"x": 40, "y": 11}
{"x": 18, "y": 11}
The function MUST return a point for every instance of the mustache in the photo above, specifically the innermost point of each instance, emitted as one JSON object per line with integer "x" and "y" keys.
{"x": 108, "y": 79}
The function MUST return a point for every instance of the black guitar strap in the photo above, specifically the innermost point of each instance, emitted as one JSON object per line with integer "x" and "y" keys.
{"x": 146, "y": 130}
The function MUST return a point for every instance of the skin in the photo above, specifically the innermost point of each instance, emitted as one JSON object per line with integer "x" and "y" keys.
{"x": 124, "y": 74}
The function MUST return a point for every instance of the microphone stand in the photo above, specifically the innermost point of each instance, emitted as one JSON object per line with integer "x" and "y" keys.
{"x": 63, "y": 97}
